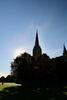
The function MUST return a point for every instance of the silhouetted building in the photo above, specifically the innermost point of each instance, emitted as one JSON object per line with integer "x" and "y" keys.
{"x": 37, "y": 51}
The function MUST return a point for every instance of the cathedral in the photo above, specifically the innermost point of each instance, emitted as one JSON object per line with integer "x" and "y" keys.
{"x": 40, "y": 70}
{"x": 37, "y": 51}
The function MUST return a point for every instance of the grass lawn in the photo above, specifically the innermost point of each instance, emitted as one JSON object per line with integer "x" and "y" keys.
{"x": 8, "y": 85}
{"x": 9, "y": 91}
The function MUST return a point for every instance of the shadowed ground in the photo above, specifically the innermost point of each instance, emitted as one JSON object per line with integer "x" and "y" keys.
{"x": 20, "y": 93}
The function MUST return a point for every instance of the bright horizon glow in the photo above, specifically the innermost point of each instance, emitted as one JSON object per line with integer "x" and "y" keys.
{"x": 4, "y": 74}
{"x": 18, "y": 52}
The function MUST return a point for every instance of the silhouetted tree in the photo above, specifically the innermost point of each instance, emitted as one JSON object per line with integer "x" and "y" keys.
{"x": 21, "y": 68}
{"x": 2, "y": 79}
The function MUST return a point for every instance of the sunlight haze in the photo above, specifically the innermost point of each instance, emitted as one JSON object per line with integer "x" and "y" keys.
{"x": 18, "y": 52}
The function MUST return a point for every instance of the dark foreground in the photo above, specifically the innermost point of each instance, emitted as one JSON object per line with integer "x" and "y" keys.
{"x": 20, "y": 93}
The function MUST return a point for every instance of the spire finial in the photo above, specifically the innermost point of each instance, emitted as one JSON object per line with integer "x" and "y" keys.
{"x": 37, "y": 52}
{"x": 37, "y": 40}
{"x": 36, "y": 31}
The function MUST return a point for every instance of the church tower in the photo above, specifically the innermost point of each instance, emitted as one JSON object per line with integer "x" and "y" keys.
{"x": 37, "y": 49}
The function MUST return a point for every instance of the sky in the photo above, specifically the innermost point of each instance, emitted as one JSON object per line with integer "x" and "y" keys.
{"x": 19, "y": 20}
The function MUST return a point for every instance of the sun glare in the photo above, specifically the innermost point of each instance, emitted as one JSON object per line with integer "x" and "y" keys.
{"x": 18, "y": 52}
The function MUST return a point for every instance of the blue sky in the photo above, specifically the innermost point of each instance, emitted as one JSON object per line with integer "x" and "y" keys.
{"x": 19, "y": 20}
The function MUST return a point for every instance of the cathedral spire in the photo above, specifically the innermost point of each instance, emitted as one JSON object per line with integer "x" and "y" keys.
{"x": 37, "y": 40}
{"x": 37, "y": 49}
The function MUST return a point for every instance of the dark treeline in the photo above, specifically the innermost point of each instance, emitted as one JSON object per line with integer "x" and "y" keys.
{"x": 40, "y": 73}
{"x": 9, "y": 78}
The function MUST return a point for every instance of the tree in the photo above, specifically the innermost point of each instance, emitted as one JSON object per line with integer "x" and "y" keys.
{"x": 20, "y": 68}
{"x": 2, "y": 79}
